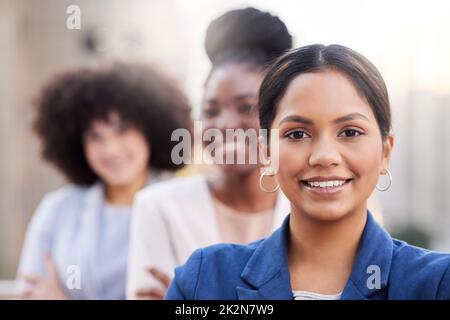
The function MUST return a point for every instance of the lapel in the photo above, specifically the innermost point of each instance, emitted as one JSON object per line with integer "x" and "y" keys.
{"x": 267, "y": 271}
{"x": 370, "y": 273}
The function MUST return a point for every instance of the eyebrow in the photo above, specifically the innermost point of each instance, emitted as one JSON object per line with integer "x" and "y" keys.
{"x": 308, "y": 121}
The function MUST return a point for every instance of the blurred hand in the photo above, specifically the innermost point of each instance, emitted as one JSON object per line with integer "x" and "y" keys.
{"x": 44, "y": 289}
{"x": 155, "y": 293}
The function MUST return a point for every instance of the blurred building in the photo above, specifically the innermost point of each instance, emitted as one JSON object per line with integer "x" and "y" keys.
{"x": 420, "y": 193}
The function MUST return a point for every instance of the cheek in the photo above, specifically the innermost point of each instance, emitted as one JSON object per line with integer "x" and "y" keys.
{"x": 365, "y": 159}
{"x": 292, "y": 161}
{"x": 365, "y": 163}
{"x": 208, "y": 123}
{"x": 92, "y": 153}
{"x": 137, "y": 145}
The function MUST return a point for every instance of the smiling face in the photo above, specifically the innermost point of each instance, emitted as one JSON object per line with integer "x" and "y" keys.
{"x": 118, "y": 154}
{"x": 331, "y": 151}
{"x": 229, "y": 101}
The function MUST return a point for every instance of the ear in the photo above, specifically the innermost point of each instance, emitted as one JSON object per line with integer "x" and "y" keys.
{"x": 388, "y": 145}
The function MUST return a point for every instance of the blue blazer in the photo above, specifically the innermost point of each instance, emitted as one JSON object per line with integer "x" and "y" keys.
{"x": 385, "y": 268}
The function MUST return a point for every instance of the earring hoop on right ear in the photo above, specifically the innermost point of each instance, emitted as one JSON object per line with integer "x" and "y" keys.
{"x": 389, "y": 184}
{"x": 267, "y": 172}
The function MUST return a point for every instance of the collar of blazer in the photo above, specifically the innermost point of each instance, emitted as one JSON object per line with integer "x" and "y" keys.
{"x": 267, "y": 271}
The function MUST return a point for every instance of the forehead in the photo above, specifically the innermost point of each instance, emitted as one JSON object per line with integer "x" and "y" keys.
{"x": 324, "y": 95}
{"x": 232, "y": 80}
{"x": 112, "y": 119}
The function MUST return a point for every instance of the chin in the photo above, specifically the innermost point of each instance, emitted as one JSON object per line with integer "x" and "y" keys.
{"x": 325, "y": 213}
{"x": 118, "y": 180}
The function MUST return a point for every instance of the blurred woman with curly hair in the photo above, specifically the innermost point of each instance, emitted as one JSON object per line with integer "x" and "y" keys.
{"x": 109, "y": 132}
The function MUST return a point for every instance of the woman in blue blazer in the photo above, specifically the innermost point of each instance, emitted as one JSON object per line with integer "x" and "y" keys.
{"x": 329, "y": 114}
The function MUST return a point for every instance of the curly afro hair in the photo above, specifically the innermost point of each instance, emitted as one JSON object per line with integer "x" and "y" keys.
{"x": 142, "y": 97}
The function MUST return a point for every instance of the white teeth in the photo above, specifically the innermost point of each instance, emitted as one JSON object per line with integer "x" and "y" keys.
{"x": 326, "y": 184}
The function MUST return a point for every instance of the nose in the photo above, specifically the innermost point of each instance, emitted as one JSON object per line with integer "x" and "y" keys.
{"x": 111, "y": 147}
{"x": 325, "y": 154}
{"x": 228, "y": 119}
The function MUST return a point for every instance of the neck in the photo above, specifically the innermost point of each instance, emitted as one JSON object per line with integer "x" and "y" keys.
{"x": 124, "y": 194}
{"x": 241, "y": 191}
{"x": 324, "y": 248}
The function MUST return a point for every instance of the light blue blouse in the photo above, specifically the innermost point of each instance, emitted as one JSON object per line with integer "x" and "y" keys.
{"x": 86, "y": 239}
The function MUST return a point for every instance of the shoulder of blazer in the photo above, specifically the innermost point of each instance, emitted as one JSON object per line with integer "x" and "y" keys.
{"x": 184, "y": 284}
{"x": 175, "y": 188}
{"x": 428, "y": 271}
{"x": 172, "y": 199}
{"x": 211, "y": 269}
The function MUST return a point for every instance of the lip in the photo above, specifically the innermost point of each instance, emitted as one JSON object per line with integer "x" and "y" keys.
{"x": 116, "y": 164}
{"x": 334, "y": 190}
{"x": 317, "y": 178}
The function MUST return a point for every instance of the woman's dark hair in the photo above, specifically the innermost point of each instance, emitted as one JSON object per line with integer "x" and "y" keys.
{"x": 246, "y": 35}
{"x": 315, "y": 58}
{"x": 142, "y": 97}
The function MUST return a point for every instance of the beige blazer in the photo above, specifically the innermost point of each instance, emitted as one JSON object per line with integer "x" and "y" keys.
{"x": 170, "y": 220}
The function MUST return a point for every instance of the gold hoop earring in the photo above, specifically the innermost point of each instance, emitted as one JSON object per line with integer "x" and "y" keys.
{"x": 390, "y": 182}
{"x": 267, "y": 172}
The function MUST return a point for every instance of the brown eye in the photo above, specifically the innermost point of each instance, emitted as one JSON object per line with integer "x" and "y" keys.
{"x": 245, "y": 108}
{"x": 297, "y": 135}
{"x": 350, "y": 133}
{"x": 211, "y": 112}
